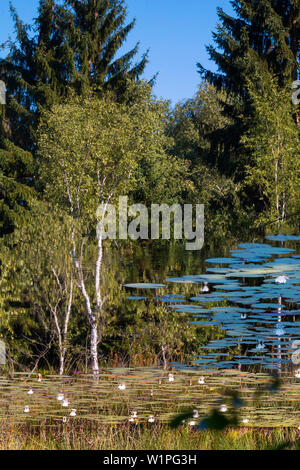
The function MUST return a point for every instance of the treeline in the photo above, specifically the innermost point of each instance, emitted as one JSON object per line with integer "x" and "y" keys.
{"x": 82, "y": 127}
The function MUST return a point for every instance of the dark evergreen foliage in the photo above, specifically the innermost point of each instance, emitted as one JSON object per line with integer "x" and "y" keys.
{"x": 71, "y": 47}
{"x": 264, "y": 36}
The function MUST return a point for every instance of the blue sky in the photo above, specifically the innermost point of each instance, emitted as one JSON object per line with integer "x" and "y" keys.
{"x": 175, "y": 31}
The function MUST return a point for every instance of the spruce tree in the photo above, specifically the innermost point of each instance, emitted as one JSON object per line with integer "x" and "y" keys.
{"x": 16, "y": 184}
{"x": 96, "y": 30}
{"x": 73, "y": 46}
{"x": 265, "y": 31}
{"x": 37, "y": 71}
{"x": 70, "y": 48}
{"x": 32, "y": 72}
{"x": 263, "y": 37}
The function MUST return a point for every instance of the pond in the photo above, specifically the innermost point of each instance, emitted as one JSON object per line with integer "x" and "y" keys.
{"x": 252, "y": 295}
{"x": 249, "y": 294}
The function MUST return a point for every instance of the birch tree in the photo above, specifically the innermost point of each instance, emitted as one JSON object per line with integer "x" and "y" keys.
{"x": 89, "y": 152}
{"x": 43, "y": 262}
{"x": 273, "y": 142}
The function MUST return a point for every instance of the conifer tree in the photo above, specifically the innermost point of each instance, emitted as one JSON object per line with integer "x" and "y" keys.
{"x": 96, "y": 30}
{"x": 263, "y": 37}
{"x": 37, "y": 71}
{"x": 71, "y": 49}
{"x": 16, "y": 184}
{"x": 73, "y": 46}
{"x": 33, "y": 74}
{"x": 265, "y": 31}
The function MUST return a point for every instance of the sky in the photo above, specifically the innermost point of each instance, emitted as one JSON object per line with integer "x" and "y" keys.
{"x": 175, "y": 32}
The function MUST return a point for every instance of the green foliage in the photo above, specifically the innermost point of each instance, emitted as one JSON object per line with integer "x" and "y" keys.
{"x": 272, "y": 141}
{"x": 262, "y": 38}
{"x": 72, "y": 48}
{"x": 195, "y": 126}
{"x": 16, "y": 187}
{"x": 96, "y": 30}
{"x": 97, "y": 140}
{"x": 194, "y": 123}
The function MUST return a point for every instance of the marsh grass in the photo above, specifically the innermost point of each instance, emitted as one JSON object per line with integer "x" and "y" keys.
{"x": 87, "y": 436}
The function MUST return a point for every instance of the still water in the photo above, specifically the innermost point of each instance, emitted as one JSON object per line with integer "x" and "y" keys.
{"x": 252, "y": 295}
{"x": 247, "y": 296}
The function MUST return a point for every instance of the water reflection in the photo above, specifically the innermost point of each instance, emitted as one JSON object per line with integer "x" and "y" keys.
{"x": 253, "y": 295}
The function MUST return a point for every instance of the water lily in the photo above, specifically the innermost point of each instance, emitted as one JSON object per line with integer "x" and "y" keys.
{"x": 297, "y": 373}
{"x": 245, "y": 420}
{"x": 279, "y": 330}
{"x": 60, "y": 397}
{"x": 30, "y": 392}
{"x": 73, "y": 412}
{"x": 281, "y": 279}
{"x": 192, "y": 423}
{"x": 201, "y": 380}
{"x": 26, "y": 409}
{"x": 65, "y": 403}
{"x": 195, "y": 414}
{"x": 223, "y": 408}
{"x": 205, "y": 288}
{"x": 260, "y": 346}
{"x": 171, "y": 377}
{"x": 151, "y": 419}
{"x": 122, "y": 386}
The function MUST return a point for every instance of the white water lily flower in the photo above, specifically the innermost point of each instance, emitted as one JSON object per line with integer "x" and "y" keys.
{"x": 195, "y": 414}
{"x": 281, "y": 279}
{"x": 192, "y": 423}
{"x": 171, "y": 377}
{"x": 279, "y": 330}
{"x": 30, "y": 392}
{"x": 73, "y": 412}
{"x": 133, "y": 417}
{"x": 205, "y": 288}
{"x": 151, "y": 419}
{"x": 26, "y": 409}
{"x": 60, "y": 397}
{"x": 122, "y": 386}
{"x": 245, "y": 420}
{"x": 65, "y": 403}
{"x": 223, "y": 408}
{"x": 201, "y": 380}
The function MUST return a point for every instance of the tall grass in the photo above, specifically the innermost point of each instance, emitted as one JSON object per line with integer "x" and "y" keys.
{"x": 87, "y": 436}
